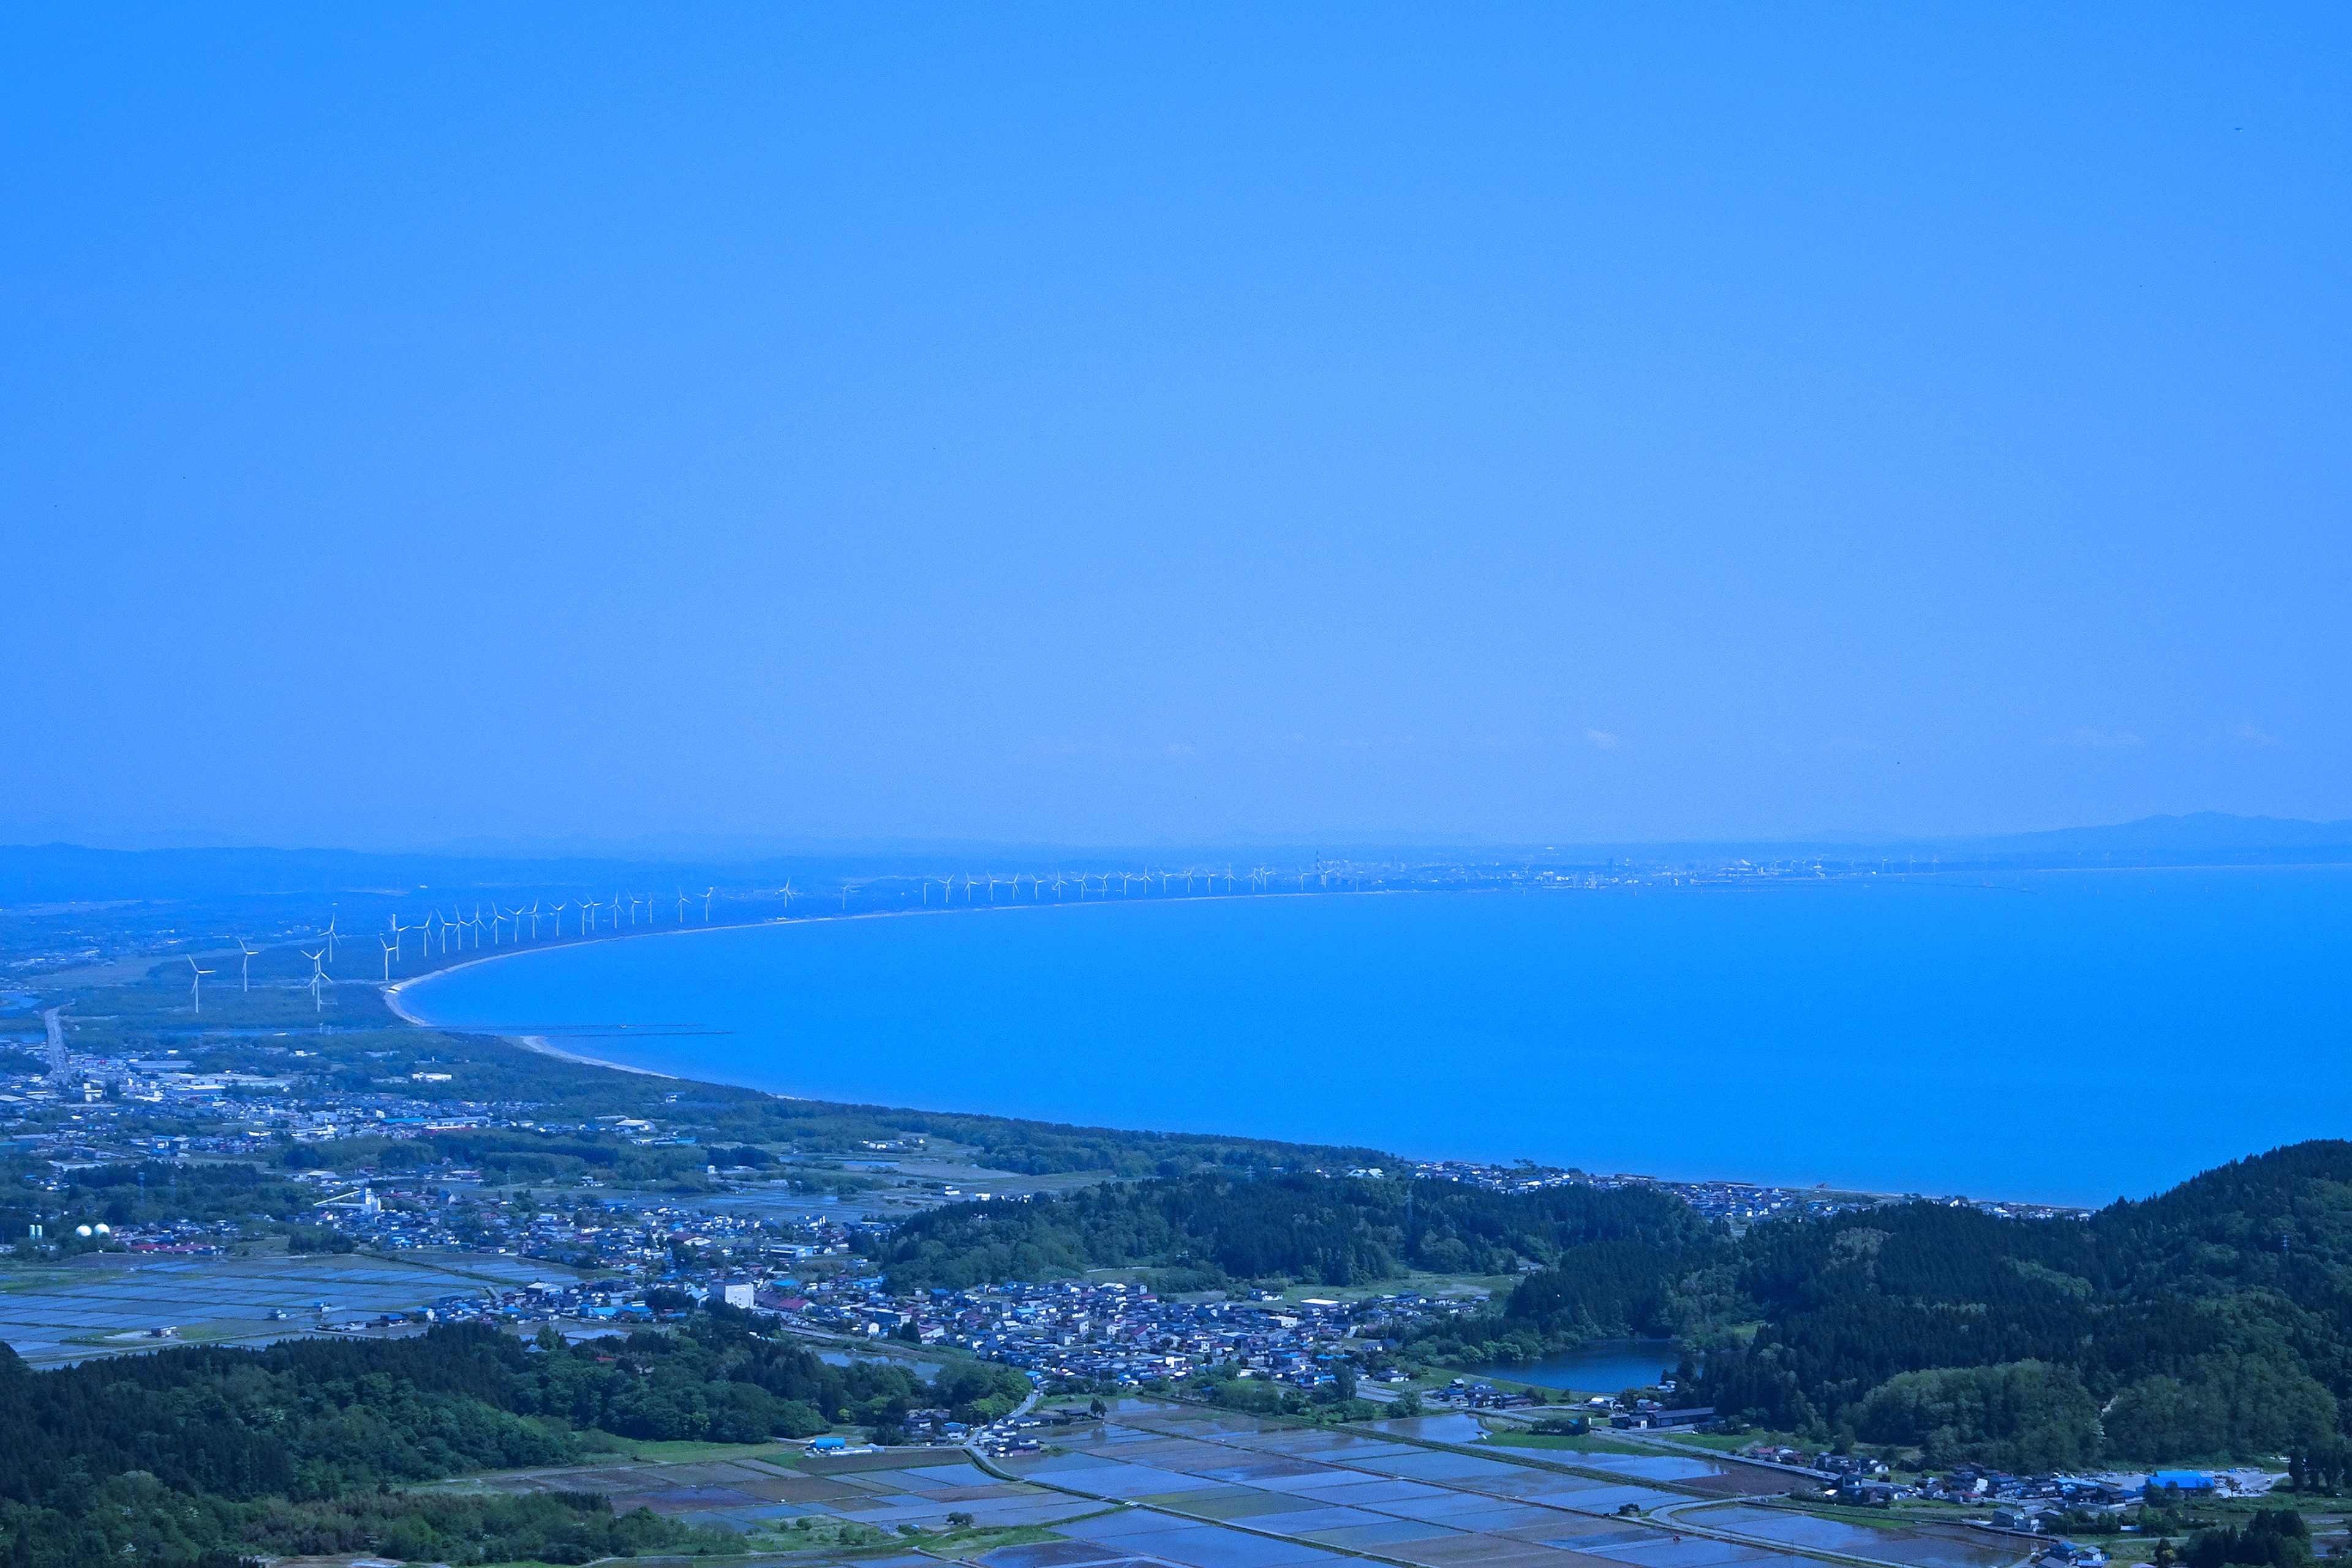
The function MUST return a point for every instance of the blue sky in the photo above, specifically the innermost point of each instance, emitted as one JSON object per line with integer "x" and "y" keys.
{"x": 1104, "y": 424}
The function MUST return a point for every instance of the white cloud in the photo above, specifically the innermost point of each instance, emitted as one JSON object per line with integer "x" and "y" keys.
{"x": 1601, "y": 739}
{"x": 2253, "y": 737}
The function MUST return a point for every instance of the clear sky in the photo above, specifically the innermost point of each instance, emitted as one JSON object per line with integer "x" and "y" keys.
{"x": 1111, "y": 423}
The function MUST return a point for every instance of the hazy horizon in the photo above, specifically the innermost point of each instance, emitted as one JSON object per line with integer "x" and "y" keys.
{"x": 1513, "y": 425}
{"x": 2180, "y": 833}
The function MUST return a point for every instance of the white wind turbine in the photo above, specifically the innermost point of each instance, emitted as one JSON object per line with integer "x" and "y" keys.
{"x": 559, "y": 915}
{"x": 245, "y": 963}
{"x": 318, "y": 978}
{"x": 534, "y": 921}
{"x": 196, "y": 985}
{"x": 388, "y": 951}
{"x": 705, "y": 904}
{"x": 681, "y": 906}
{"x": 329, "y": 936}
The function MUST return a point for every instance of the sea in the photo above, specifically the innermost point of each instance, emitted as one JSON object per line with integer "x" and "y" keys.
{"x": 2063, "y": 1037}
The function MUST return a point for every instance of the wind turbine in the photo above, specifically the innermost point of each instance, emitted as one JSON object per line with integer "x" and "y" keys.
{"x": 788, "y": 895}
{"x": 681, "y": 906}
{"x": 329, "y": 935}
{"x": 318, "y": 1001}
{"x": 388, "y": 951}
{"x": 534, "y": 921}
{"x": 196, "y": 985}
{"x": 705, "y": 904}
{"x": 244, "y": 962}
{"x": 318, "y": 961}
{"x": 558, "y": 916}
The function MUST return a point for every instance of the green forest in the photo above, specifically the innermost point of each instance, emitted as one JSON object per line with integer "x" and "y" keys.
{"x": 1209, "y": 1231}
{"x": 2213, "y": 1320}
{"x": 198, "y": 1455}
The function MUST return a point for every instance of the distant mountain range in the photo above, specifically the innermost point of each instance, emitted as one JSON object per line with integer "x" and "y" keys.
{"x": 2198, "y": 830}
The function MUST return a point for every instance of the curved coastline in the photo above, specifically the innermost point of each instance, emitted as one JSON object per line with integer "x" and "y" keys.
{"x": 544, "y": 1047}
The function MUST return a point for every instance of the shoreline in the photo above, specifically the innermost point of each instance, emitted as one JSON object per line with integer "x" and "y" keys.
{"x": 543, "y": 1047}
{"x": 541, "y": 1044}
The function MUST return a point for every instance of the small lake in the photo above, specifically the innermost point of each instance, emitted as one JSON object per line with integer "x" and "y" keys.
{"x": 1604, "y": 1366}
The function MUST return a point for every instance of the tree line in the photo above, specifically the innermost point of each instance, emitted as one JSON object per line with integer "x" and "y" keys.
{"x": 164, "y": 1459}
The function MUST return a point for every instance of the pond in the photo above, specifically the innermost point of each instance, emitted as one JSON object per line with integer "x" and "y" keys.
{"x": 1604, "y": 1366}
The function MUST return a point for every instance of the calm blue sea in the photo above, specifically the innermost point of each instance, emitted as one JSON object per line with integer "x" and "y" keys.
{"x": 2055, "y": 1036}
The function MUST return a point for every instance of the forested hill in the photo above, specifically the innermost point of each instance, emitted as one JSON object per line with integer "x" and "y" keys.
{"x": 1214, "y": 1230}
{"x": 2215, "y": 1318}
{"x": 193, "y": 1457}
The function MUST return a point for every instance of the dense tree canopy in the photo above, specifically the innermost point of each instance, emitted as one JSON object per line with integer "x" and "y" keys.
{"x": 1335, "y": 1231}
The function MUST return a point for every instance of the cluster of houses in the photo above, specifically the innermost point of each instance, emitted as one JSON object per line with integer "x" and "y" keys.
{"x": 2020, "y": 1504}
{"x": 1109, "y": 1334}
{"x": 1741, "y": 1202}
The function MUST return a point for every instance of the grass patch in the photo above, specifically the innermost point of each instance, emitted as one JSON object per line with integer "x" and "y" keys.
{"x": 686, "y": 1453}
{"x": 32, "y": 1278}
{"x": 974, "y": 1542}
{"x": 1514, "y": 1439}
{"x": 1867, "y": 1517}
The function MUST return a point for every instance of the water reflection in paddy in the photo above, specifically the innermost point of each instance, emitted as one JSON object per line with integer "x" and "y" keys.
{"x": 1926, "y": 1549}
{"x": 1454, "y": 1429}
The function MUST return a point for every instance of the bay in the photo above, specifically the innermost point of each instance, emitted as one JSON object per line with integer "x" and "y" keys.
{"x": 2060, "y": 1037}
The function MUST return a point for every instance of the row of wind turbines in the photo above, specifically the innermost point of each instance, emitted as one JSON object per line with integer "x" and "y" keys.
{"x": 505, "y": 927}
{"x": 437, "y": 933}
{"x": 1098, "y": 884}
